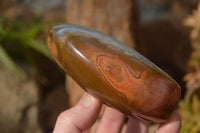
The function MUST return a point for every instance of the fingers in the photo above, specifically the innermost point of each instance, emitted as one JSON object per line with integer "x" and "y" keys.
{"x": 172, "y": 125}
{"x": 80, "y": 117}
{"x": 137, "y": 126}
{"x": 111, "y": 121}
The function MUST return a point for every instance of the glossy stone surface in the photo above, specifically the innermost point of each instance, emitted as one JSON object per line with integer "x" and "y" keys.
{"x": 114, "y": 73}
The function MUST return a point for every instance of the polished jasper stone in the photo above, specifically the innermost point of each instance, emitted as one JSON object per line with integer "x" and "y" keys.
{"x": 114, "y": 73}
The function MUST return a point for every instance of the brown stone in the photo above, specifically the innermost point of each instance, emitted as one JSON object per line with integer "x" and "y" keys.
{"x": 108, "y": 16}
{"x": 18, "y": 103}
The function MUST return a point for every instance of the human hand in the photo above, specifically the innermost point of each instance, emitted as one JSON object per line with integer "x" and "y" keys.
{"x": 81, "y": 117}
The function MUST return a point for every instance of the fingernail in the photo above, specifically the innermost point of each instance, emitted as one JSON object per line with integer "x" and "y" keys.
{"x": 88, "y": 101}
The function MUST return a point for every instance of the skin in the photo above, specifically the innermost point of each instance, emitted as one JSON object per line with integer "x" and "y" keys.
{"x": 81, "y": 117}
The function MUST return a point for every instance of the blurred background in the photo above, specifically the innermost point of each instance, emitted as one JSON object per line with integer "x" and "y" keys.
{"x": 34, "y": 90}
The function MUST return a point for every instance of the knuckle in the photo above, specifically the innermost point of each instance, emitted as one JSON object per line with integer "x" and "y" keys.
{"x": 65, "y": 117}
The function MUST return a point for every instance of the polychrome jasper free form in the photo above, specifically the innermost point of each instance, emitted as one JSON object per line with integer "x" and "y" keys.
{"x": 114, "y": 73}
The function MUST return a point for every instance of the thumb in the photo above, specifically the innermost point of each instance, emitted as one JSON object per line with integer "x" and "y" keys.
{"x": 172, "y": 125}
{"x": 80, "y": 117}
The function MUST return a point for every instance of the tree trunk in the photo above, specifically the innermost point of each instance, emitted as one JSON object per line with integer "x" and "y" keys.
{"x": 111, "y": 17}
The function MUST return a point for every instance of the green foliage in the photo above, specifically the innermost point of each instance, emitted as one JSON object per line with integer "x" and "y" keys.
{"x": 19, "y": 41}
{"x": 190, "y": 113}
{"x": 7, "y": 61}
{"x": 190, "y": 107}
